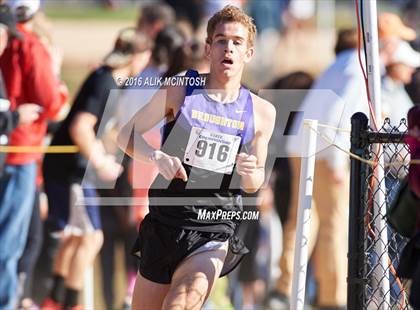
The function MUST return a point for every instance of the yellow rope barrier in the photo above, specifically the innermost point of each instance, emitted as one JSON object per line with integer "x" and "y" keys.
{"x": 40, "y": 149}
{"x": 74, "y": 149}
{"x": 335, "y": 128}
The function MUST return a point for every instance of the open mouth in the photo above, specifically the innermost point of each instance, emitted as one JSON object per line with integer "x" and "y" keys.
{"x": 227, "y": 61}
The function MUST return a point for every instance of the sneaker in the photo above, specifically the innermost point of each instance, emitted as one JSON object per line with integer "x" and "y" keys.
{"x": 277, "y": 301}
{"x": 49, "y": 304}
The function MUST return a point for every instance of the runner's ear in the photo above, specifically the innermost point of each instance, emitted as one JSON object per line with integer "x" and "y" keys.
{"x": 207, "y": 48}
{"x": 249, "y": 54}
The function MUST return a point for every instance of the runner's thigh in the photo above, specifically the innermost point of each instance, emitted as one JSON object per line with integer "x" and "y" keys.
{"x": 194, "y": 279}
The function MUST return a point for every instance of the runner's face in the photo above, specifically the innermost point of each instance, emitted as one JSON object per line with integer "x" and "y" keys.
{"x": 229, "y": 49}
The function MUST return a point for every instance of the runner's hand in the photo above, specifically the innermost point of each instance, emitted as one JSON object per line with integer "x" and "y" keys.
{"x": 170, "y": 167}
{"x": 246, "y": 164}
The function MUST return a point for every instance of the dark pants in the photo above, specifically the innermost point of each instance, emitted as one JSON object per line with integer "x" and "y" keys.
{"x": 409, "y": 268}
{"x": 282, "y": 188}
{"x": 42, "y": 274}
{"x": 116, "y": 228}
{"x": 249, "y": 231}
{"x": 33, "y": 246}
{"x": 114, "y": 232}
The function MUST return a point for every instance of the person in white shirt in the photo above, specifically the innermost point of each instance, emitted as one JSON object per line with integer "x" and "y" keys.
{"x": 395, "y": 101}
{"x": 336, "y": 95}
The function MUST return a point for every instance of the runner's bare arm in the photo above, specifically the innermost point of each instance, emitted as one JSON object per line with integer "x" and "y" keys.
{"x": 251, "y": 166}
{"x": 164, "y": 104}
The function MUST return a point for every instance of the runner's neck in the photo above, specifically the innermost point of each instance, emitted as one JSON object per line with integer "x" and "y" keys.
{"x": 221, "y": 91}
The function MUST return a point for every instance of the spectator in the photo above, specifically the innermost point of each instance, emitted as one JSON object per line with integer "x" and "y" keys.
{"x": 27, "y": 70}
{"x": 26, "y": 113}
{"x": 169, "y": 43}
{"x": 253, "y": 270}
{"x": 414, "y": 145}
{"x": 171, "y": 54}
{"x": 154, "y": 18}
{"x": 297, "y": 83}
{"x": 299, "y": 13}
{"x": 399, "y": 61}
{"x": 32, "y": 250}
{"x": 399, "y": 72}
{"x": 26, "y": 266}
{"x": 413, "y": 89}
{"x": 391, "y": 29}
{"x": 328, "y": 220}
{"x": 267, "y": 14}
{"x": 412, "y": 16}
{"x": 191, "y": 11}
{"x": 199, "y": 61}
{"x": 80, "y": 226}
{"x": 409, "y": 265}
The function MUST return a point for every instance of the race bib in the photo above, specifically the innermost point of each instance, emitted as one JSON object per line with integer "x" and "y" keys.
{"x": 211, "y": 150}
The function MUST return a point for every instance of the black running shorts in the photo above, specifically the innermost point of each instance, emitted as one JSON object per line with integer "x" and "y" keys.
{"x": 161, "y": 248}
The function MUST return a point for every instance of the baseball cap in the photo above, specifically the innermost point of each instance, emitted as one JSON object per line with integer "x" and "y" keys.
{"x": 405, "y": 54}
{"x": 390, "y": 25}
{"x": 25, "y": 9}
{"x": 9, "y": 20}
{"x": 128, "y": 43}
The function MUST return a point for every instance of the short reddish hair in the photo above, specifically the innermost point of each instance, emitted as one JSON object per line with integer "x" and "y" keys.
{"x": 228, "y": 14}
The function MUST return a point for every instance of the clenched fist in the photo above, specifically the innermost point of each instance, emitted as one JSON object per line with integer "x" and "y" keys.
{"x": 169, "y": 166}
{"x": 246, "y": 164}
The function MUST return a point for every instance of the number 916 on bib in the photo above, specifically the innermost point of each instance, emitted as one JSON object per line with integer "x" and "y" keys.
{"x": 211, "y": 150}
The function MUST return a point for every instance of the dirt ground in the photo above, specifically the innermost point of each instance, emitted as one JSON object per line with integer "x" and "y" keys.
{"x": 85, "y": 43}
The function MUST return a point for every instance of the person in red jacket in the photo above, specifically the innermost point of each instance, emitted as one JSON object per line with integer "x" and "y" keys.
{"x": 28, "y": 73}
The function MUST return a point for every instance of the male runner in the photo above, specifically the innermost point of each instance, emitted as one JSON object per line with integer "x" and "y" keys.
{"x": 214, "y": 143}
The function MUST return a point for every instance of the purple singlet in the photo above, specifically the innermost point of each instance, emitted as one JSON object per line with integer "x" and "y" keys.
{"x": 206, "y": 136}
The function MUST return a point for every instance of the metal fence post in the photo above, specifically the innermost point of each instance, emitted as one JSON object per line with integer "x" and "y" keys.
{"x": 355, "y": 288}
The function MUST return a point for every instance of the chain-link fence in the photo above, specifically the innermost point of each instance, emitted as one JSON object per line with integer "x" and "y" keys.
{"x": 374, "y": 247}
